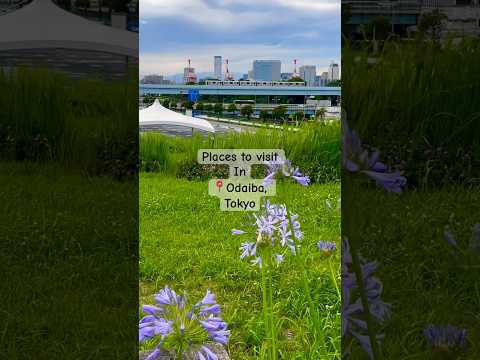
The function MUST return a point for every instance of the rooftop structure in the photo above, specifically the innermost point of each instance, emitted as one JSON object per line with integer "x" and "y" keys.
{"x": 156, "y": 114}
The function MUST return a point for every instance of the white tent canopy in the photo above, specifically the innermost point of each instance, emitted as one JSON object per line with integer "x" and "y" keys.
{"x": 42, "y": 24}
{"x": 156, "y": 114}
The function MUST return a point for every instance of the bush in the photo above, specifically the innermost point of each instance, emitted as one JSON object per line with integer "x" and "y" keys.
{"x": 264, "y": 114}
{"x": 218, "y": 108}
{"x": 422, "y": 116}
{"x": 315, "y": 149}
{"x": 85, "y": 124}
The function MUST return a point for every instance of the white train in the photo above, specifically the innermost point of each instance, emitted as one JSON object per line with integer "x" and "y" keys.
{"x": 254, "y": 83}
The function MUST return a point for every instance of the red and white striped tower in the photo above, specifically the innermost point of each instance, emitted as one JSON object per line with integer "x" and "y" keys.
{"x": 295, "y": 73}
{"x": 189, "y": 75}
{"x": 228, "y": 76}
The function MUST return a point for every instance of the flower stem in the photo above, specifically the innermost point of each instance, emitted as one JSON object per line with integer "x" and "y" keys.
{"x": 306, "y": 290}
{"x": 363, "y": 296}
{"x": 270, "y": 306}
{"x": 334, "y": 279}
{"x": 348, "y": 230}
{"x": 266, "y": 316}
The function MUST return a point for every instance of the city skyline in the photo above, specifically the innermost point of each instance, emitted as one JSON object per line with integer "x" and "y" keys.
{"x": 238, "y": 30}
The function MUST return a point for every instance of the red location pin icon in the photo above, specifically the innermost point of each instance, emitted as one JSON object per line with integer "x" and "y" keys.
{"x": 219, "y": 184}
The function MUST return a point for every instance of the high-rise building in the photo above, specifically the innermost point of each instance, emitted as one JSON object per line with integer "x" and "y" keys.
{"x": 267, "y": 70}
{"x": 250, "y": 74}
{"x": 217, "y": 67}
{"x": 324, "y": 79}
{"x": 333, "y": 72}
{"x": 308, "y": 73}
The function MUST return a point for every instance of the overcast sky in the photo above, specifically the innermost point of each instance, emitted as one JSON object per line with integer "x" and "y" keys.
{"x": 172, "y": 31}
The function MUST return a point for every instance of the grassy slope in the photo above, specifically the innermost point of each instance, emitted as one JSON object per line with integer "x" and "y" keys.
{"x": 426, "y": 281}
{"x": 185, "y": 242}
{"x": 67, "y": 261}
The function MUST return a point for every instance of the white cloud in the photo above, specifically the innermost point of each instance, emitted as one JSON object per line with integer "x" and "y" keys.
{"x": 238, "y": 14}
{"x": 200, "y": 13}
{"x": 311, "y": 5}
{"x": 240, "y": 58}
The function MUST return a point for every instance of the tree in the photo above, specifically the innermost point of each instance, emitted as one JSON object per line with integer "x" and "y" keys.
{"x": 264, "y": 115}
{"x": 320, "y": 113}
{"x": 296, "y": 79}
{"x": 247, "y": 111}
{"x": 188, "y": 105}
{"x": 299, "y": 116}
{"x": 218, "y": 109}
{"x": 432, "y": 23}
{"x": 148, "y": 99}
{"x": 335, "y": 83}
{"x": 173, "y": 104}
{"x": 199, "y": 106}
{"x": 190, "y": 83}
{"x": 165, "y": 103}
{"x": 279, "y": 112}
{"x": 232, "y": 108}
{"x": 208, "y": 107}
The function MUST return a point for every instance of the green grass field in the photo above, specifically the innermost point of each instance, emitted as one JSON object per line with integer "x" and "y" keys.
{"x": 68, "y": 262}
{"x": 186, "y": 243}
{"x": 425, "y": 279}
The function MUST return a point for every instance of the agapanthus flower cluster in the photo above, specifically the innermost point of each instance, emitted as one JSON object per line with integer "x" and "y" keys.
{"x": 474, "y": 244}
{"x": 327, "y": 247}
{"x": 357, "y": 159}
{"x": 275, "y": 228}
{"x": 446, "y": 337}
{"x": 181, "y": 327}
{"x": 353, "y": 314}
{"x": 285, "y": 168}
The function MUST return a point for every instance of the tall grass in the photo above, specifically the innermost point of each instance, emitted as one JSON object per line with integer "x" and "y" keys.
{"x": 315, "y": 148}
{"x": 418, "y": 104}
{"x": 89, "y": 124}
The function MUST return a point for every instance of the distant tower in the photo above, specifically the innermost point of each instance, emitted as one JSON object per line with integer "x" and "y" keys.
{"x": 228, "y": 76}
{"x": 189, "y": 75}
{"x": 217, "y": 67}
{"x": 295, "y": 73}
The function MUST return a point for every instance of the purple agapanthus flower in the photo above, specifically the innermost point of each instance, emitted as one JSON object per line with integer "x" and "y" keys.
{"x": 285, "y": 167}
{"x": 206, "y": 354}
{"x": 327, "y": 246}
{"x": 353, "y": 314}
{"x": 446, "y": 337}
{"x": 167, "y": 296}
{"x": 275, "y": 227}
{"x": 356, "y": 159}
{"x": 174, "y": 321}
